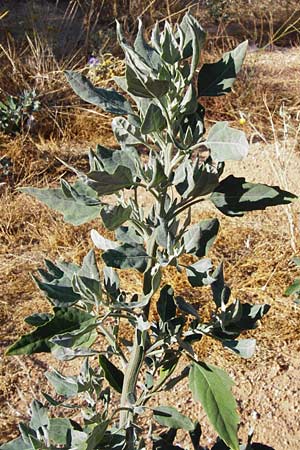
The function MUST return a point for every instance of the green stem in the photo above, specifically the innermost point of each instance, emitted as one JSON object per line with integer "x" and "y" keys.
{"x": 131, "y": 377}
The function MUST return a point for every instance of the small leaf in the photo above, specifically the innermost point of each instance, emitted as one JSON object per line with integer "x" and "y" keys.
{"x": 128, "y": 235}
{"x": 186, "y": 307}
{"x": 126, "y": 133}
{"x": 199, "y": 273}
{"x": 115, "y": 215}
{"x": 127, "y": 256}
{"x": 200, "y": 237}
{"x": 153, "y": 120}
{"x": 244, "y": 347}
{"x": 217, "y": 78}
{"x": 235, "y": 196}
{"x": 168, "y": 416}
{"x": 166, "y": 307}
{"x": 66, "y": 386}
{"x": 96, "y": 436}
{"x": 105, "y": 183}
{"x": 101, "y": 242}
{"x": 109, "y": 100}
{"x": 212, "y": 387}
{"x": 294, "y": 288}
{"x": 226, "y": 143}
{"x": 38, "y": 319}
{"x": 58, "y": 431}
{"x": 113, "y": 375}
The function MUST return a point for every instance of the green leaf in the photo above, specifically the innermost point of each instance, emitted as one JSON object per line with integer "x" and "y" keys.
{"x": 217, "y": 78}
{"x": 126, "y": 133}
{"x": 226, "y": 143}
{"x": 109, "y": 160}
{"x": 186, "y": 307}
{"x": 235, "y": 196}
{"x": 199, "y": 273}
{"x": 58, "y": 431}
{"x": 200, "y": 237}
{"x": 59, "y": 292}
{"x": 169, "y": 47}
{"x": 168, "y": 416}
{"x": 39, "y": 415}
{"x": 212, "y": 387}
{"x": 97, "y": 435}
{"x": 112, "y": 374}
{"x": 115, "y": 215}
{"x": 153, "y": 120}
{"x": 148, "y": 53}
{"x": 244, "y": 347}
{"x": 127, "y": 256}
{"x": 128, "y": 235}
{"x": 294, "y": 288}
{"x": 105, "y": 183}
{"x": 101, "y": 242}
{"x": 191, "y": 30}
{"x": 66, "y": 386}
{"x": 165, "y": 305}
{"x": 74, "y": 211}
{"x": 64, "y": 320}
{"x": 38, "y": 319}
{"x": 16, "y": 444}
{"x": 148, "y": 87}
{"x": 108, "y": 100}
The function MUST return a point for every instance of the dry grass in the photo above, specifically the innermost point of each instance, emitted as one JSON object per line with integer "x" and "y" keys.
{"x": 257, "y": 249}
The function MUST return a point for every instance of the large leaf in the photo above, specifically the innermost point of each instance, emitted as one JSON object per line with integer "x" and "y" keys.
{"x": 58, "y": 430}
{"x": 109, "y": 160}
{"x": 113, "y": 375}
{"x": 63, "y": 321}
{"x": 96, "y": 435}
{"x": 127, "y": 256}
{"x": 16, "y": 444}
{"x": 109, "y": 100}
{"x": 235, "y": 196}
{"x": 244, "y": 348}
{"x": 200, "y": 237}
{"x": 212, "y": 387}
{"x": 101, "y": 242}
{"x": 217, "y": 78}
{"x": 168, "y": 416}
{"x": 78, "y": 210}
{"x": 226, "y": 143}
{"x": 126, "y": 133}
{"x": 148, "y": 53}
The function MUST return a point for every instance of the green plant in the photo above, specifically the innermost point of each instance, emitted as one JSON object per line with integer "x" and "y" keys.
{"x": 17, "y": 112}
{"x": 122, "y": 373}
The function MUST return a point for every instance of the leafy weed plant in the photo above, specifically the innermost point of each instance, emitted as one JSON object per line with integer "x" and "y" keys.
{"x": 121, "y": 377}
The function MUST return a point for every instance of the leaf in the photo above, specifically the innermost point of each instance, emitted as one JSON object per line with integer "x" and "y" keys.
{"x": 39, "y": 416}
{"x": 38, "y": 319}
{"x": 148, "y": 53}
{"x": 294, "y": 288}
{"x": 168, "y": 416}
{"x": 97, "y": 435}
{"x": 66, "y": 386}
{"x": 108, "y": 100}
{"x": 234, "y": 196}
{"x": 126, "y": 133}
{"x": 127, "y": 256}
{"x": 58, "y": 431}
{"x": 113, "y": 375}
{"x": 149, "y": 87}
{"x": 226, "y": 143}
{"x": 200, "y": 237}
{"x": 64, "y": 320}
{"x": 195, "y": 436}
{"x": 244, "y": 347}
{"x": 153, "y": 120}
{"x": 74, "y": 211}
{"x": 16, "y": 444}
{"x": 165, "y": 305}
{"x": 115, "y": 215}
{"x": 212, "y": 387}
{"x": 186, "y": 307}
{"x": 199, "y": 273}
{"x": 217, "y": 78}
{"x": 101, "y": 242}
{"x": 128, "y": 235}
{"x": 105, "y": 183}
{"x": 191, "y": 30}
{"x": 59, "y": 292}
{"x": 109, "y": 160}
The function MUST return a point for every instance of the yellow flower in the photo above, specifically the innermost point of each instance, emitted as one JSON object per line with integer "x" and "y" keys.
{"x": 242, "y": 121}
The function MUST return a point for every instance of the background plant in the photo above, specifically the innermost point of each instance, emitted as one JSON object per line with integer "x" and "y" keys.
{"x": 17, "y": 113}
{"x": 183, "y": 168}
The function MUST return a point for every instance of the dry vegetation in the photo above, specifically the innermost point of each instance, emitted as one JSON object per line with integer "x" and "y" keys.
{"x": 257, "y": 249}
